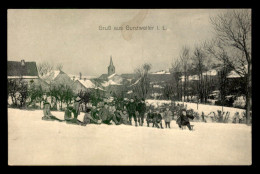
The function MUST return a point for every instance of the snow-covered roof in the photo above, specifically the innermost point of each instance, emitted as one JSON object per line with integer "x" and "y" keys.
{"x": 136, "y": 82}
{"x": 212, "y": 72}
{"x": 109, "y": 82}
{"x": 112, "y": 75}
{"x": 89, "y": 84}
{"x": 129, "y": 92}
{"x": 233, "y": 74}
{"x": 50, "y": 76}
{"x": 161, "y": 72}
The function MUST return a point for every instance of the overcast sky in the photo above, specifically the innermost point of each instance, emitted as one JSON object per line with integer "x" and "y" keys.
{"x": 73, "y": 38}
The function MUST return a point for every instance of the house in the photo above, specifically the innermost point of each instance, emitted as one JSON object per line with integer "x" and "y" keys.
{"x": 22, "y": 70}
{"x": 85, "y": 86}
{"x": 57, "y": 77}
{"x": 25, "y": 71}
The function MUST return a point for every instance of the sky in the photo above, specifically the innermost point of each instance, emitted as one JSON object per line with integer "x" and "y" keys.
{"x": 73, "y": 37}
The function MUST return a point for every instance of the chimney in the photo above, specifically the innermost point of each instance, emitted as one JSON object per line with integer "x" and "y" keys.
{"x": 80, "y": 75}
{"x": 23, "y": 62}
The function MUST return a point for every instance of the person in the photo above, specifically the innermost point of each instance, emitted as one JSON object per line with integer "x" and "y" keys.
{"x": 183, "y": 119}
{"x": 168, "y": 117}
{"x": 76, "y": 108}
{"x": 117, "y": 116}
{"x": 47, "y": 113}
{"x": 236, "y": 117}
{"x": 94, "y": 113}
{"x": 67, "y": 114}
{"x": 157, "y": 119}
{"x": 149, "y": 118}
{"x": 203, "y": 116}
{"x": 124, "y": 117}
{"x": 88, "y": 119}
{"x": 174, "y": 115}
{"x": 141, "y": 108}
{"x": 131, "y": 111}
{"x": 105, "y": 115}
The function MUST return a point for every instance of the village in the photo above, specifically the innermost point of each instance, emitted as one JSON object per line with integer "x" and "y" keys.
{"x": 176, "y": 95}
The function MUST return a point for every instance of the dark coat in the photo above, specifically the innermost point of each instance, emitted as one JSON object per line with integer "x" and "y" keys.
{"x": 157, "y": 117}
{"x": 150, "y": 116}
{"x": 141, "y": 108}
{"x": 131, "y": 107}
{"x": 184, "y": 120}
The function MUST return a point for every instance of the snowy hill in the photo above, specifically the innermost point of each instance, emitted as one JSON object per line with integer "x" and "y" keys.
{"x": 32, "y": 141}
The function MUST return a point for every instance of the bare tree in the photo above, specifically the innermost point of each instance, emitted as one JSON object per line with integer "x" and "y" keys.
{"x": 185, "y": 59}
{"x": 44, "y": 68}
{"x": 233, "y": 45}
{"x": 142, "y": 85}
{"x": 59, "y": 66}
{"x": 176, "y": 72}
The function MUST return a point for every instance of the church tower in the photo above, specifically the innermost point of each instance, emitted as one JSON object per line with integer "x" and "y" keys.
{"x": 111, "y": 67}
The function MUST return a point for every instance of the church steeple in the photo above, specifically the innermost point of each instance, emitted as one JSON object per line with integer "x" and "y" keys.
{"x": 111, "y": 61}
{"x": 111, "y": 67}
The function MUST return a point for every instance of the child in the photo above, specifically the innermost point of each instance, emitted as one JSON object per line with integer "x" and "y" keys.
{"x": 183, "y": 119}
{"x": 157, "y": 119}
{"x": 88, "y": 119}
{"x": 124, "y": 117}
{"x": 47, "y": 113}
{"x": 168, "y": 117}
{"x": 149, "y": 118}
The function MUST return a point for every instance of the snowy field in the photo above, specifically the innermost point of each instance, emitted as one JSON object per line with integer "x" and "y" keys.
{"x": 201, "y": 108}
{"x": 32, "y": 141}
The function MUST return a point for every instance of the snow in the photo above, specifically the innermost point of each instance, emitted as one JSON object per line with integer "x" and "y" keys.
{"x": 201, "y": 107}
{"x": 50, "y": 76}
{"x": 76, "y": 77}
{"x": 129, "y": 92}
{"x": 112, "y": 75}
{"x": 233, "y": 74}
{"x": 87, "y": 83}
{"x": 157, "y": 86}
{"x": 110, "y": 82}
{"x": 161, "y": 72}
{"x": 135, "y": 82}
{"x": 32, "y": 141}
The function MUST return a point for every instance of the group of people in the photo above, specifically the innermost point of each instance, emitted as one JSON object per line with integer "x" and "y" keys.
{"x": 122, "y": 113}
